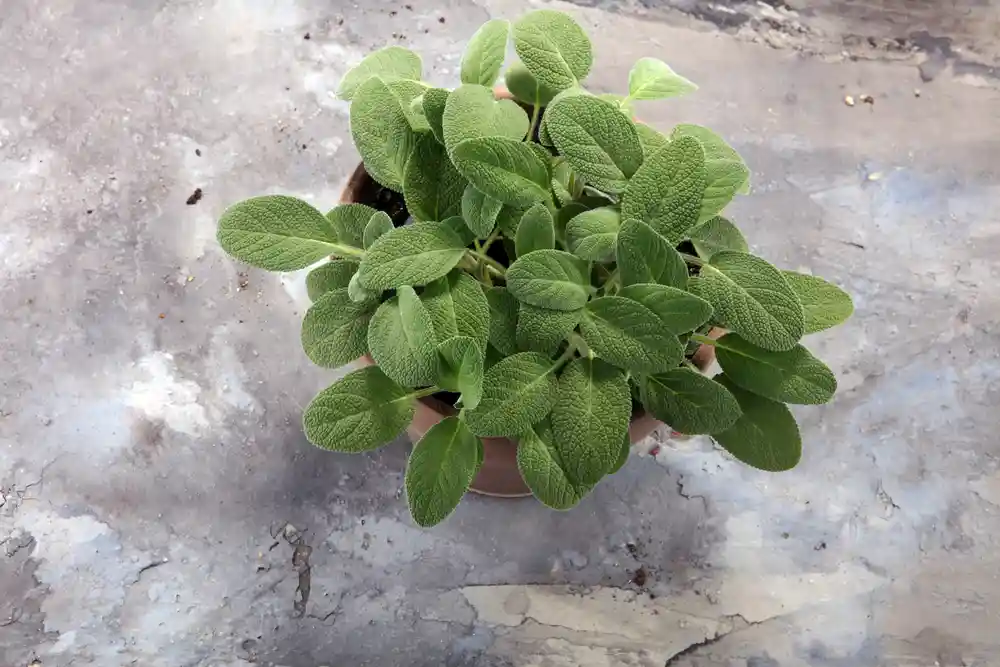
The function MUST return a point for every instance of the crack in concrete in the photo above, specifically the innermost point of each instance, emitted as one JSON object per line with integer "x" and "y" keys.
{"x": 714, "y": 639}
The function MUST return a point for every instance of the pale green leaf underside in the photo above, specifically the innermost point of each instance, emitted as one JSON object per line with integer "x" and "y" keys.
{"x": 645, "y": 257}
{"x": 689, "y": 402}
{"x": 680, "y": 311}
{"x": 544, "y": 471}
{"x": 543, "y": 329}
{"x": 503, "y": 319}
{"x": 792, "y": 376}
{"x": 629, "y": 335}
{"x": 485, "y": 52}
{"x": 471, "y": 112}
{"x": 358, "y": 292}
{"x": 715, "y": 235}
{"x": 592, "y": 235}
{"x": 460, "y": 369}
{"x": 402, "y": 341}
{"x": 458, "y": 307}
{"x": 517, "y": 392}
{"x": 525, "y": 87}
{"x": 536, "y": 231}
{"x": 550, "y": 279}
{"x": 652, "y": 79}
{"x": 824, "y": 304}
{"x": 390, "y": 63}
{"x": 382, "y": 133}
{"x": 666, "y": 191}
{"x": 410, "y": 94}
{"x": 380, "y": 223}
{"x": 335, "y": 274}
{"x": 440, "y": 470}
{"x": 416, "y": 254}
{"x": 431, "y": 186}
{"x": 765, "y": 436}
{"x": 480, "y": 211}
{"x": 507, "y": 170}
{"x": 434, "y": 101}
{"x": 553, "y": 47}
{"x": 335, "y": 329}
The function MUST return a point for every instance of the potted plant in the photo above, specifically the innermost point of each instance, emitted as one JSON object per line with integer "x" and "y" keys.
{"x": 535, "y": 271}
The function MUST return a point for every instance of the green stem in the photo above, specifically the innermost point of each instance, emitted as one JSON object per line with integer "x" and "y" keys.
{"x": 611, "y": 284}
{"x": 566, "y": 356}
{"x": 691, "y": 259}
{"x": 346, "y": 251}
{"x": 427, "y": 391}
{"x": 704, "y": 340}
{"x": 535, "y": 115}
{"x": 489, "y": 261}
{"x": 489, "y": 240}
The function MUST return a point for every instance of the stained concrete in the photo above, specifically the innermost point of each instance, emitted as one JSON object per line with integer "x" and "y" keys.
{"x": 161, "y": 507}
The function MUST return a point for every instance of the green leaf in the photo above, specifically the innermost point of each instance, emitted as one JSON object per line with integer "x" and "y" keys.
{"x": 620, "y": 102}
{"x": 416, "y": 254}
{"x": 457, "y": 224}
{"x": 471, "y": 112}
{"x": 389, "y": 64}
{"x": 724, "y": 179}
{"x": 358, "y": 293}
{"x": 410, "y": 96}
{"x": 544, "y": 471}
{"x": 624, "y": 450}
{"x": 362, "y": 411}
{"x": 645, "y": 257}
{"x": 667, "y": 190}
{"x": 565, "y": 185}
{"x": 553, "y": 47}
{"x": 590, "y": 418}
{"x": 460, "y": 369}
{"x": 380, "y": 223}
{"x": 335, "y": 274}
{"x": 334, "y": 329}
{"x": 752, "y": 298}
{"x": 824, "y": 304}
{"x": 480, "y": 211}
{"x": 431, "y": 185}
{"x": 564, "y": 215}
{"x": 765, "y": 436}
{"x": 599, "y": 141}
{"x": 402, "y": 340}
{"x": 440, "y": 470}
{"x": 434, "y": 102}
{"x": 276, "y": 233}
{"x": 543, "y": 329}
{"x": 458, "y": 307}
{"x": 517, "y": 392}
{"x": 382, "y": 133}
{"x": 536, "y": 231}
{"x": 503, "y": 319}
{"x": 650, "y": 139}
{"x": 484, "y": 55}
{"x": 629, "y": 335}
{"x": 792, "y": 376}
{"x": 680, "y": 311}
{"x": 508, "y": 219}
{"x": 525, "y": 87}
{"x": 504, "y": 169}
{"x": 689, "y": 402}
{"x": 652, "y": 79}
{"x": 349, "y": 221}
{"x": 593, "y": 234}
{"x": 550, "y": 279}
{"x": 716, "y": 148}
{"x": 715, "y": 235}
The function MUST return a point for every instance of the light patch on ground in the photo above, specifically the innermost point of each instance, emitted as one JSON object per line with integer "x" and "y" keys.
{"x": 163, "y": 396}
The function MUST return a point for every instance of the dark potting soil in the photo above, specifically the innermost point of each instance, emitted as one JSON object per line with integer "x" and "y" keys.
{"x": 385, "y": 200}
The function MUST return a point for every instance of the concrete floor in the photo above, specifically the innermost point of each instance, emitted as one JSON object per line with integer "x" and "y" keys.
{"x": 160, "y": 506}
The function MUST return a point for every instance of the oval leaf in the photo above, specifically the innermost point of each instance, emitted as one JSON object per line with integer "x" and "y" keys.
{"x": 724, "y": 179}
{"x": 553, "y": 47}
{"x": 335, "y": 274}
{"x": 389, "y": 64}
{"x": 543, "y": 329}
{"x": 458, "y": 307}
{"x": 416, "y": 254}
{"x": 824, "y": 304}
{"x": 503, "y": 319}
{"x": 715, "y": 235}
{"x": 378, "y": 224}
{"x": 550, "y": 279}
{"x": 715, "y": 147}
{"x": 485, "y": 53}
{"x": 650, "y": 139}
{"x": 652, "y": 79}
{"x": 349, "y": 221}
{"x": 460, "y": 369}
{"x": 382, "y": 133}
{"x": 517, "y": 392}
{"x": 525, "y": 87}
{"x": 402, "y": 341}
{"x": 335, "y": 329}
{"x": 544, "y": 471}
{"x": 507, "y": 170}
{"x": 471, "y": 112}
{"x": 480, "y": 211}
{"x": 679, "y": 311}
{"x": 593, "y": 234}
{"x": 645, "y": 257}
{"x": 629, "y": 335}
{"x": 792, "y": 376}
{"x": 358, "y": 292}
{"x": 433, "y": 103}
{"x": 765, "y": 436}
{"x": 536, "y": 231}
{"x": 440, "y": 470}
{"x": 431, "y": 186}
{"x": 689, "y": 402}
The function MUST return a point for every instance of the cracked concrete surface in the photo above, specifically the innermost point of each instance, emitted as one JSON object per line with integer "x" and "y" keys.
{"x": 159, "y": 505}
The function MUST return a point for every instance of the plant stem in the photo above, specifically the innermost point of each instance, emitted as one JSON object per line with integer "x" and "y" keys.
{"x": 346, "y": 251}
{"x": 535, "y": 115}
{"x": 489, "y": 240}
{"x": 704, "y": 340}
{"x": 420, "y": 393}
{"x": 687, "y": 362}
{"x": 697, "y": 261}
{"x": 610, "y": 285}
{"x": 489, "y": 261}
{"x": 566, "y": 356}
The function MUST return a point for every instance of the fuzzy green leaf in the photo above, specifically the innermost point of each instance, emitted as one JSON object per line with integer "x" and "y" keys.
{"x": 650, "y": 139}
{"x": 503, "y": 319}
{"x": 824, "y": 304}
{"x": 752, "y": 298}
{"x": 623, "y": 451}
{"x": 544, "y": 470}
{"x": 689, "y": 402}
{"x": 380, "y": 223}
{"x": 536, "y": 231}
{"x": 679, "y": 310}
{"x": 715, "y": 235}
{"x": 599, "y": 141}
{"x": 457, "y": 224}
{"x": 389, "y": 64}
{"x": 620, "y": 102}
{"x": 667, "y": 190}
{"x": 349, "y": 221}
{"x": 504, "y": 169}
{"x": 362, "y": 411}
{"x": 645, "y": 257}
{"x": 358, "y": 293}
{"x": 765, "y": 436}
{"x": 416, "y": 254}
{"x": 590, "y": 418}
{"x": 484, "y": 55}
{"x": 471, "y": 112}
{"x": 629, "y": 335}
{"x": 553, "y": 47}
{"x": 564, "y": 215}
{"x": 517, "y": 392}
{"x": 431, "y": 185}
{"x": 652, "y": 79}
{"x": 458, "y": 307}
{"x": 460, "y": 369}
{"x": 593, "y": 234}
{"x": 335, "y": 274}
{"x": 525, "y": 87}
{"x": 434, "y": 102}
{"x": 543, "y": 329}
{"x": 480, "y": 211}
{"x": 402, "y": 340}
{"x": 440, "y": 470}
{"x": 410, "y": 96}
{"x": 508, "y": 219}
{"x": 724, "y": 179}
{"x": 334, "y": 329}
{"x": 716, "y": 148}
{"x": 792, "y": 376}
{"x": 550, "y": 279}
{"x": 382, "y": 133}
{"x": 565, "y": 185}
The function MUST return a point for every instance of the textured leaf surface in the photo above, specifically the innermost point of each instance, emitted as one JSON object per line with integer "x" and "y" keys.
{"x": 458, "y": 307}
{"x": 358, "y": 293}
{"x": 433, "y": 102}
{"x": 652, "y": 79}
{"x": 507, "y": 170}
{"x": 650, "y": 139}
{"x": 480, "y": 211}
{"x": 460, "y": 369}
{"x": 536, "y": 231}
{"x": 553, "y": 47}
{"x": 440, "y": 469}
{"x": 550, "y": 279}
{"x": 679, "y": 311}
{"x": 334, "y": 329}
{"x": 410, "y": 97}
{"x": 382, "y": 133}
{"x": 765, "y": 436}
{"x": 593, "y": 234}
{"x": 564, "y": 215}
{"x": 623, "y": 451}
{"x": 335, "y": 274}
{"x": 402, "y": 341}
{"x": 276, "y": 233}
{"x": 724, "y": 179}
{"x": 380, "y": 223}
{"x": 715, "y": 147}
{"x": 590, "y": 418}
{"x": 543, "y": 329}
{"x": 645, "y": 257}
{"x": 792, "y": 376}
{"x": 431, "y": 186}
{"x": 390, "y": 64}
{"x": 349, "y": 221}
{"x": 517, "y": 392}
{"x": 484, "y": 55}
{"x": 503, "y": 319}
{"x": 412, "y": 255}
{"x": 599, "y": 141}
{"x": 471, "y": 112}
{"x": 689, "y": 402}
{"x": 544, "y": 471}
{"x": 752, "y": 298}
{"x": 666, "y": 191}
{"x": 715, "y": 235}
{"x": 629, "y": 335}
{"x": 525, "y": 87}
{"x": 824, "y": 304}
{"x": 361, "y": 411}
{"x": 457, "y": 224}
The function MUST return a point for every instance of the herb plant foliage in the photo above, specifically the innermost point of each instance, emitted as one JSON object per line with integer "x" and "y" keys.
{"x": 562, "y": 264}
